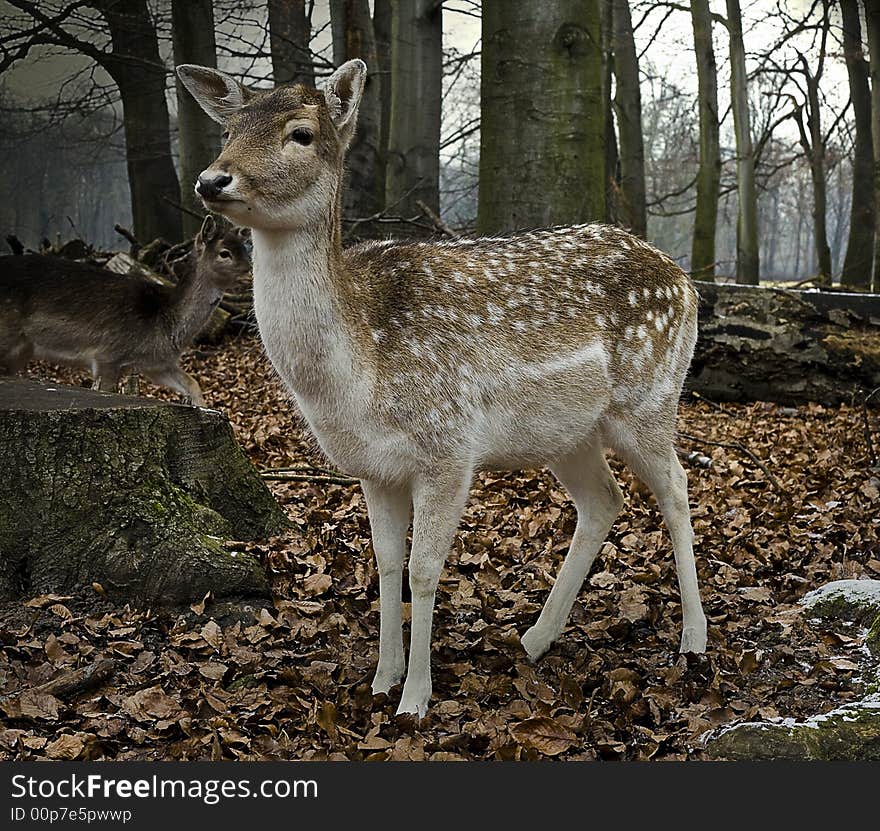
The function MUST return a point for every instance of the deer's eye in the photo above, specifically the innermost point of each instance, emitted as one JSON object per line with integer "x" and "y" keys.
{"x": 224, "y": 254}
{"x": 301, "y": 135}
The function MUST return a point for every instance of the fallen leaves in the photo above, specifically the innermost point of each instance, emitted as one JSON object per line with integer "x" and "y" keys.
{"x": 291, "y": 680}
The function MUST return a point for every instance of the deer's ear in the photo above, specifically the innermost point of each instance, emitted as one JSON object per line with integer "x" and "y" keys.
{"x": 343, "y": 91}
{"x": 217, "y": 93}
{"x": 208, "y": 231}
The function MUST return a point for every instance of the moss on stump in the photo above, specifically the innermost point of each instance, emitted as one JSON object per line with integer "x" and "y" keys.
{"x": 133, "y": 493}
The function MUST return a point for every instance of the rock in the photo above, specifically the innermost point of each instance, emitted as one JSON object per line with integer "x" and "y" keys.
{"x": 856, "y": 600}
{"x": 847, "y": 733}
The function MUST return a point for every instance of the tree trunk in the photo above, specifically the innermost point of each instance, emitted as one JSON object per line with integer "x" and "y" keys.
{"x": 628, "y": 110}
{"x": 709, "y": 174}
{"x": 290, "y": 33}
{"x": 413, "y": 166}
{"x": 542, "y": 147}
{"x": 131, "y": 493}
{"x": 136, "y": 67}
{"x": 353, "y": 38}
{"x": 813, "y": 143}
{"x": 382, "y": 35}
{"x": 747, "y": 259}
{"x": 792, "y": 347}
{"x": 860, "y": 247}
{"x": 612, "y": 157}
{"x": 872, "y": 18}
{"x": 192, "y": 29}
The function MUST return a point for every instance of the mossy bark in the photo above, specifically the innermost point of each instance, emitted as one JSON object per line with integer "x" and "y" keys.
{"x": 135, "y": 494}
{"x": 791, "y": 347}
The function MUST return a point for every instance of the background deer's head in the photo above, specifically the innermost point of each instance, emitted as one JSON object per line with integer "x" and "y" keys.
{"x": 224, "y": 255}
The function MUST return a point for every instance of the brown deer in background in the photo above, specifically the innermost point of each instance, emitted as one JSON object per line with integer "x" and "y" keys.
{"x": 81, "y": 315}
{"x": 418, "y": 363}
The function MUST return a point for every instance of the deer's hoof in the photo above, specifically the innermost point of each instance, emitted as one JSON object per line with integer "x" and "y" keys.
{"x": 536, "y": 643}
{"x": 414, "y": 701}
{"x": 385, "y": 680}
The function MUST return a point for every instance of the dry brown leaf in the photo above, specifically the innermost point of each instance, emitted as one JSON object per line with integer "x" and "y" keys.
{"x": 543, "y": 734}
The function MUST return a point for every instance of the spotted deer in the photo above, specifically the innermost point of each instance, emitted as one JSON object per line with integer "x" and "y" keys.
{"x": 81, "y": 315}
{"x": 418, "y": 363}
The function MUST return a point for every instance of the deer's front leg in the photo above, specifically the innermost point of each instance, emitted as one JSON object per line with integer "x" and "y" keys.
{"x": 437, "y": 507}
{"x": 389, "y": 510}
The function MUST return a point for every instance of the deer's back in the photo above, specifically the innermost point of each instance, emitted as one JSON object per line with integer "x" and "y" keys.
{"x": 78, "y": 311}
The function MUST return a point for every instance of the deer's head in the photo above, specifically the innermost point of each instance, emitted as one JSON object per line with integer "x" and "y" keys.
{"x": 281, "y": 165}
{"x": 223, "y": 255}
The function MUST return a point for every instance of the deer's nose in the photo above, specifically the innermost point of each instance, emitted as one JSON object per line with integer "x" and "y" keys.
{"x": 210, "y": 186}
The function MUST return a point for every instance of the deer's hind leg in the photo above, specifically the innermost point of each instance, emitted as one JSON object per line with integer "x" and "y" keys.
{"x": 649, "y": 449}
{"x": 105, "y": 377}
{"x": 597, "y": 497}
{"x": 15, "y": 352}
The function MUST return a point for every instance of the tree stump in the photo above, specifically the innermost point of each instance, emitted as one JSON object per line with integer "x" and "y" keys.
{"x": 133, "y": 493}
{"x": 792, "y": 347}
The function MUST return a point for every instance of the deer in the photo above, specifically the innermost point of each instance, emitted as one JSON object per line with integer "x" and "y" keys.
{"x": 81, "y": 315}
{"x": 418, "y": 363}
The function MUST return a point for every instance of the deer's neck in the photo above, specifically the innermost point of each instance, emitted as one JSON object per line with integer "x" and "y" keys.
{"x": 299, "y": 301}
{"x": 195, "y": 297}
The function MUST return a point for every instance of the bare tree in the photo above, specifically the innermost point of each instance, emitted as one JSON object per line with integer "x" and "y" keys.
{"x": 131, "y": 58}
{"x": 813, "y": 142}
{"x": 747, "y": 257}
{"x": 612, "y": 156}
{"x": 290, "y": 32}
{"x": 709, "y": 174}
{"x": 353, "y": 38}
{"x": 192, "y": 27}
{"x": 872, "y": 19}
{"x": 542, "y": 158}
{"x": 413, "y": 164}
{"x": 860, "y": 248}
{"x": 628, "y": 110}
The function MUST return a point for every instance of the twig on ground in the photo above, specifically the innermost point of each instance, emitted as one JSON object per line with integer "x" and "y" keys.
{"x": 269, "y": 476}
{"x": 712, "y": 404}
{"x": 734, "y": 445}
{"x": 71, "y": 683}
{"x": 306, "y": 472}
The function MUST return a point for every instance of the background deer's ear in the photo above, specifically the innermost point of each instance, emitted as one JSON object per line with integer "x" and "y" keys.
{"x": 208, "y": 231}
{"x": 217, "y": 93}
{"x": 343, "y": 91}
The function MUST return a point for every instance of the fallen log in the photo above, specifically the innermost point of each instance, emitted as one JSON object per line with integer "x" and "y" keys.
{"x": 132, "y": 493}
{"x": 791, "y": 347}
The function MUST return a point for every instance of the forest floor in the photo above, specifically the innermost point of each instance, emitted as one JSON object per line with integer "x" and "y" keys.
{"x": 291, "y": 680}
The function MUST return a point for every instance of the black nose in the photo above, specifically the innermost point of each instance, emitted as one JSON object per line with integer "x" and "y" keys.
{"x": 210, "y": 187}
